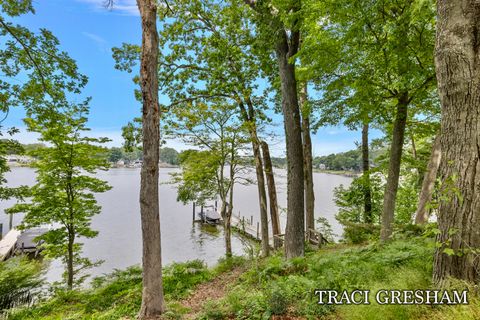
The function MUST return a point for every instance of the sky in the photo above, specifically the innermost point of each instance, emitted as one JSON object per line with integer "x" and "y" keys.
{"x": 88, "y": 31}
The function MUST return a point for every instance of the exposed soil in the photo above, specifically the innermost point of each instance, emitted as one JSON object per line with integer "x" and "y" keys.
{"x": 212, "y": 290}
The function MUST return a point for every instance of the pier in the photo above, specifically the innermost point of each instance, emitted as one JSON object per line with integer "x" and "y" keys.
{"x": 17, "y": 242}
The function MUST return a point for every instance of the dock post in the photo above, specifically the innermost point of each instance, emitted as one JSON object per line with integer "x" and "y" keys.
{"x": 201, "y": 213}
{"x": 251, "y": 220}
{"x": 243, "y": 223}
{"x": 193, "y": 211}
{"x": 215, "y": 205}
{"x": 10, "y": 222}
{"x": 258, "y": 229}
{"x": 1, "y": 231}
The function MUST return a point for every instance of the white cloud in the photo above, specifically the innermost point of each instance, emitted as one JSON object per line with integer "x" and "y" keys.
{"x": 124, "y": 7}
{"x": 99, "y": 41}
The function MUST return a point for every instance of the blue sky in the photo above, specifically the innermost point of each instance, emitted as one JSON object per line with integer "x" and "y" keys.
{"x": 87, "y": 31}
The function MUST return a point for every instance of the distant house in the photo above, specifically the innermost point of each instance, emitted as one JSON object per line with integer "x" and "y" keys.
{"x": 322, "y": 166}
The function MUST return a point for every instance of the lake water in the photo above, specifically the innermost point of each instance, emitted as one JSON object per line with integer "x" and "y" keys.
{"x": 119, "y": 240}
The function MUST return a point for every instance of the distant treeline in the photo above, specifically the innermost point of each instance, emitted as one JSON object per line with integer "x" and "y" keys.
{"x": 115, "y": 154}
{"x": 167, "y": 155}
{"x": 343, "y": 161}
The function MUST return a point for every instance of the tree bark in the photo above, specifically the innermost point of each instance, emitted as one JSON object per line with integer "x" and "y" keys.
{"x": 152, "y": 294}
{"x": 227, "y": 223}
{"x": 71, "y": 240}
{"x": 367, "y": 195}
{"x": 307, "y": 159}
{"x": 272, "y": 194}
{"x": 422, "y": 214}
{"x": 396, "y": 148}
{"x": 250, "y": 120}
{"x": 458, "y": 75}
{"x": 294, "y": 231}
{"x": 262, "y": 195}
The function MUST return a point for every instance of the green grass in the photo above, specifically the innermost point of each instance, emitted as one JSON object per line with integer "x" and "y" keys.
{"x": 274, "y": 286}
{"x": 118, "y": 295}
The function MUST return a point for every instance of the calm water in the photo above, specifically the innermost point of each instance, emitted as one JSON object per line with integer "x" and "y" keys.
{"x": 119, "y": 239}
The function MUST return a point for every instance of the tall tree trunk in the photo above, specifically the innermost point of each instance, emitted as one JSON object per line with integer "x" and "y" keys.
{"x": 262, "y": 195}
{"x": 396, "y": 148}
{"x": 152, "y": 294}
{"x": 250, "y": 120}
{"x": 367, "y": 195}
{"x": 272, "y": 194}
{"x": 307, "y": 159}
{"x": 294, "y": 232}
{"x": 421, "y": 216}
{"x": 458, "y": 75}
{"x": 71, "y": 240}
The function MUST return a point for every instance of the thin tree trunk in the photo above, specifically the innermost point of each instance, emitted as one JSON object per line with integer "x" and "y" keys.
{"x": 307, "y": 159}
{"x": 367, "y": 196}
{"x": 294, "y": 231}
{"x": 152, "y": 294}
{"x": 396, "y": 148}
{"x": 421, "y": 216}
{"x": 250, "y": 121}
{"x": 458, "y": 75}
{"x": 262, "y": 195}
{"x": 71, "y": 239}
{"x": 228, "y": 215}
{"x": 272, "y": 195}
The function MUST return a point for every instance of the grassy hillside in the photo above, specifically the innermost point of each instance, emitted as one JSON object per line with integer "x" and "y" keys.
{"x": 272, "y": 286}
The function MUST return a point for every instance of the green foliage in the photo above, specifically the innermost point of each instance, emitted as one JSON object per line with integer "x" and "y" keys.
{"x": 198, "y": 179}
{"x": 350, "y": 201}
{"x": 64, "y": 195}
{"x": 169, "y": 155}
{"x": 34, "y": 56}
{"x": 179, "y": 278}
{"x": 20, "y": 280}
{"x": 350, "y": 160}
{"x": 118, "y": 295}
{"x": 356, "y": 233}
{"x": 276, "y": 286}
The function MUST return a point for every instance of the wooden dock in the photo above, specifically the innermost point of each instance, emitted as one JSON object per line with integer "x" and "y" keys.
{"x": 248, "y": 228}
{"x": 16, "y": 241}
{"x": 7, "y": 244}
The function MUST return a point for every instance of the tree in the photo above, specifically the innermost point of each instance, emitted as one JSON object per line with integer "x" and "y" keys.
{"x": 382, "y": 51}
{"x": 47, "y": 74}
{"x": 307, "y": 158}
{"x": 282, "y": 20}
{"x": 64, "y": 193}
{"x": 169, "y": 155}
{"x": 153, "y": 303}
{"x": 272, "y": 195}
{"x": 213, "y": 56}
{"x": 428, "y": 185}
{"x": 116, "y": 154}
{"x": 214, "y": 129}
{"x": 456, "y": 60}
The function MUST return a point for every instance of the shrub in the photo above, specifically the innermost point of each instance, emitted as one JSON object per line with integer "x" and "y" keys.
{"x": 20, "y": 280}
{"x": 356, "y": 233}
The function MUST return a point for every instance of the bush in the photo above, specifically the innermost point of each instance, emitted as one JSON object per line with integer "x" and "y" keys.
{"x": 20, "y": 280}
{"x": 356, "y": 233}
{"x": 277, "y": 300}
